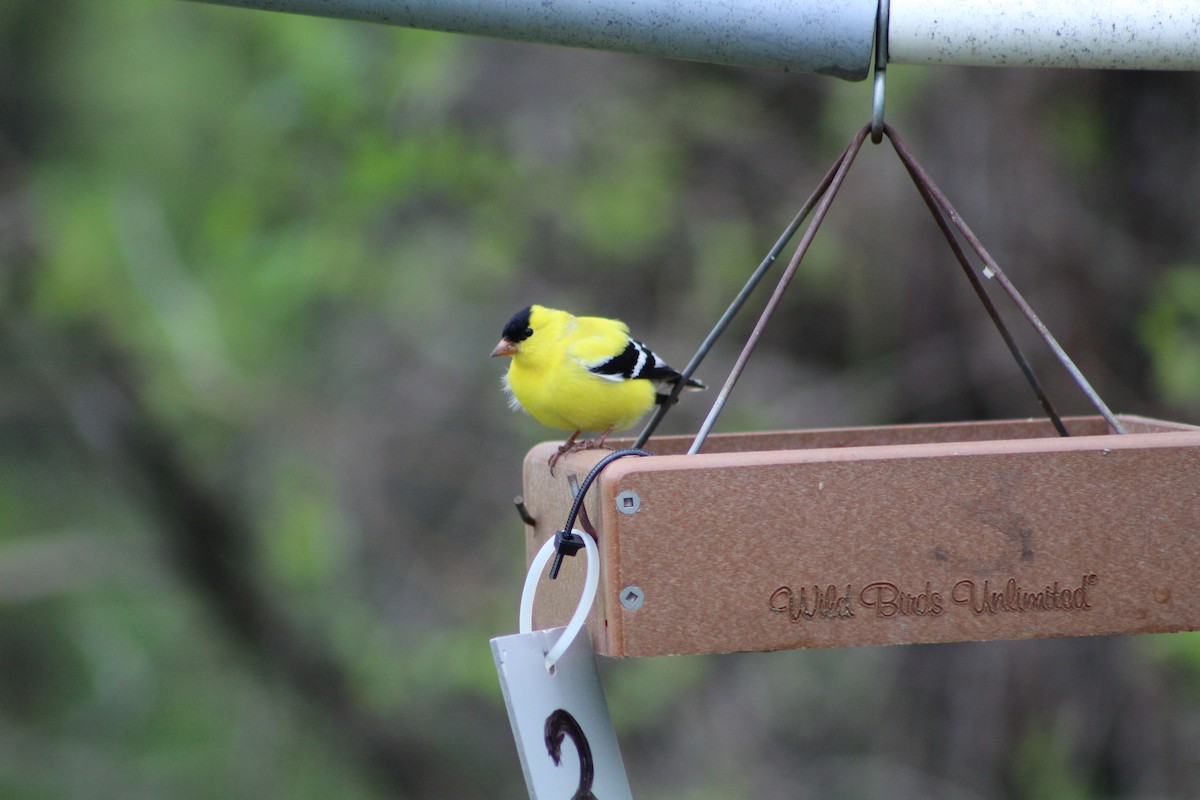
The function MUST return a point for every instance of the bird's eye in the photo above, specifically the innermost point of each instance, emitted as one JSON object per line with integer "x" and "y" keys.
{"x": 528, "y": 332}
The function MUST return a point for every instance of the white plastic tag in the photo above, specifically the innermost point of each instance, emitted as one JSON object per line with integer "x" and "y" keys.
{"x": 564, "y": 733}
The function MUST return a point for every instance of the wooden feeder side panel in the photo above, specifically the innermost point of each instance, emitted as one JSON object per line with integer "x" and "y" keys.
{"x": 548, "y": 499}
{"x": 969, "y": 539}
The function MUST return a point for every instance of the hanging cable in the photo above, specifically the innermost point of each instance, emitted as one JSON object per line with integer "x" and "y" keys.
{"x": 945, "y": 215}
{"x": 922, "y": 179}
{"x": 989, "y": 306}
{"x": 661, "y": 410}
{"x": 822, "y": 209}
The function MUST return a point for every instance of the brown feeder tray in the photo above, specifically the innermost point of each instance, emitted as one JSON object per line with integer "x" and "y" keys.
{"x": 887, "y": 535}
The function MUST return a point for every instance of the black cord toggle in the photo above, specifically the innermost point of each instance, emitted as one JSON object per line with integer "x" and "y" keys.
{"x": 566, "y": 541}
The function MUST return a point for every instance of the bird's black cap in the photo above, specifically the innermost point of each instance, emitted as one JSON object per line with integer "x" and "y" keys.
{"x": 517, "y": 329}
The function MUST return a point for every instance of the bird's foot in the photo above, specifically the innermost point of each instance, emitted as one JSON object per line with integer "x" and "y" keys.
{"x": 599, "y": 440}
{"x": 569, "y": 446}
{"x": 573, "y": 446}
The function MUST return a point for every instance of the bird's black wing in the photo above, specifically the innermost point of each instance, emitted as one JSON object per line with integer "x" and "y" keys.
{"x": 636, "y": 361}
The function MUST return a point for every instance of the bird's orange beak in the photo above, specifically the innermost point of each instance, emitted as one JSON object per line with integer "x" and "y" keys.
{"x": 504, "y": 348}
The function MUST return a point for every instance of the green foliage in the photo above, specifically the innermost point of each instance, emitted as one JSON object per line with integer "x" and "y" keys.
{"x": 218, "y": 187}
{"x": 636, "y": 694}
{"x": 1042, "y": 768}
{"x": 620, "y": 212}
{"x": 296, "y": 239}
{"x": 306, "y": 544}
{"x": 1073, "y": 129}
{"x": 1180, "y": 650}
{"x": 1170, "y": 332}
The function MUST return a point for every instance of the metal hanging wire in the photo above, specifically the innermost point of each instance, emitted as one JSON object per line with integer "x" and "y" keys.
{"x": 876, "y": 128}
{"x": 842, "y": 167}
{"x": 981, "y": 293}
{"x": 949, "y": 222}
{"x": 739, "y": 301}
{"x": 929, "y": 189}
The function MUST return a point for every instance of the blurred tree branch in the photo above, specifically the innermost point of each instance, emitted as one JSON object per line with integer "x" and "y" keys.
{"x": 90, "y": 388}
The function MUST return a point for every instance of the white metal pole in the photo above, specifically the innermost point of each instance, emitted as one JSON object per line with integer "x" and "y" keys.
{"x": 1109, "y": 34}
{"x": 832, "y": 37}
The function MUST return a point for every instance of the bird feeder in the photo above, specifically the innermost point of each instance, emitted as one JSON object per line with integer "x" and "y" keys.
{"x": 882, "y": 535}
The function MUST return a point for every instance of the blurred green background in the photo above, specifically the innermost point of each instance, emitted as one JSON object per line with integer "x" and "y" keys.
{"x": 256, "y": 469}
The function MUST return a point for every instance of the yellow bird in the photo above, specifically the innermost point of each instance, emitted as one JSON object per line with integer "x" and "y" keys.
{"x": 581, "y": 373}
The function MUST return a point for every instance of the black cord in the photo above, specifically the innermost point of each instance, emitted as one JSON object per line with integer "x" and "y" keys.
{"x": 566, "y": 541}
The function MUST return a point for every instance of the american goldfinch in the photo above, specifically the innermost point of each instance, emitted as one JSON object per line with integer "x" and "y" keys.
{"x": 581, "y": 373}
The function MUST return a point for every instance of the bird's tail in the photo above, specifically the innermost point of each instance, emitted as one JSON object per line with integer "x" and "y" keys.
{"x": 667, "y": 384}
{"x": 669, "y": 381}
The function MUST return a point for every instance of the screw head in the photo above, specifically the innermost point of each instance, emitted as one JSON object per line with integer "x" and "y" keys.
{"x": 628, "y": 502}
{"x": 632, "y": 597}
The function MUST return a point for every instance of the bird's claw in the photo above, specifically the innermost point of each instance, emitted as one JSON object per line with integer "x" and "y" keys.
{"x": 573, "y": 446}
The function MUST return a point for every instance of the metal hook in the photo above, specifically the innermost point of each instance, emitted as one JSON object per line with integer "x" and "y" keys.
{"x": 881, "y": 57}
